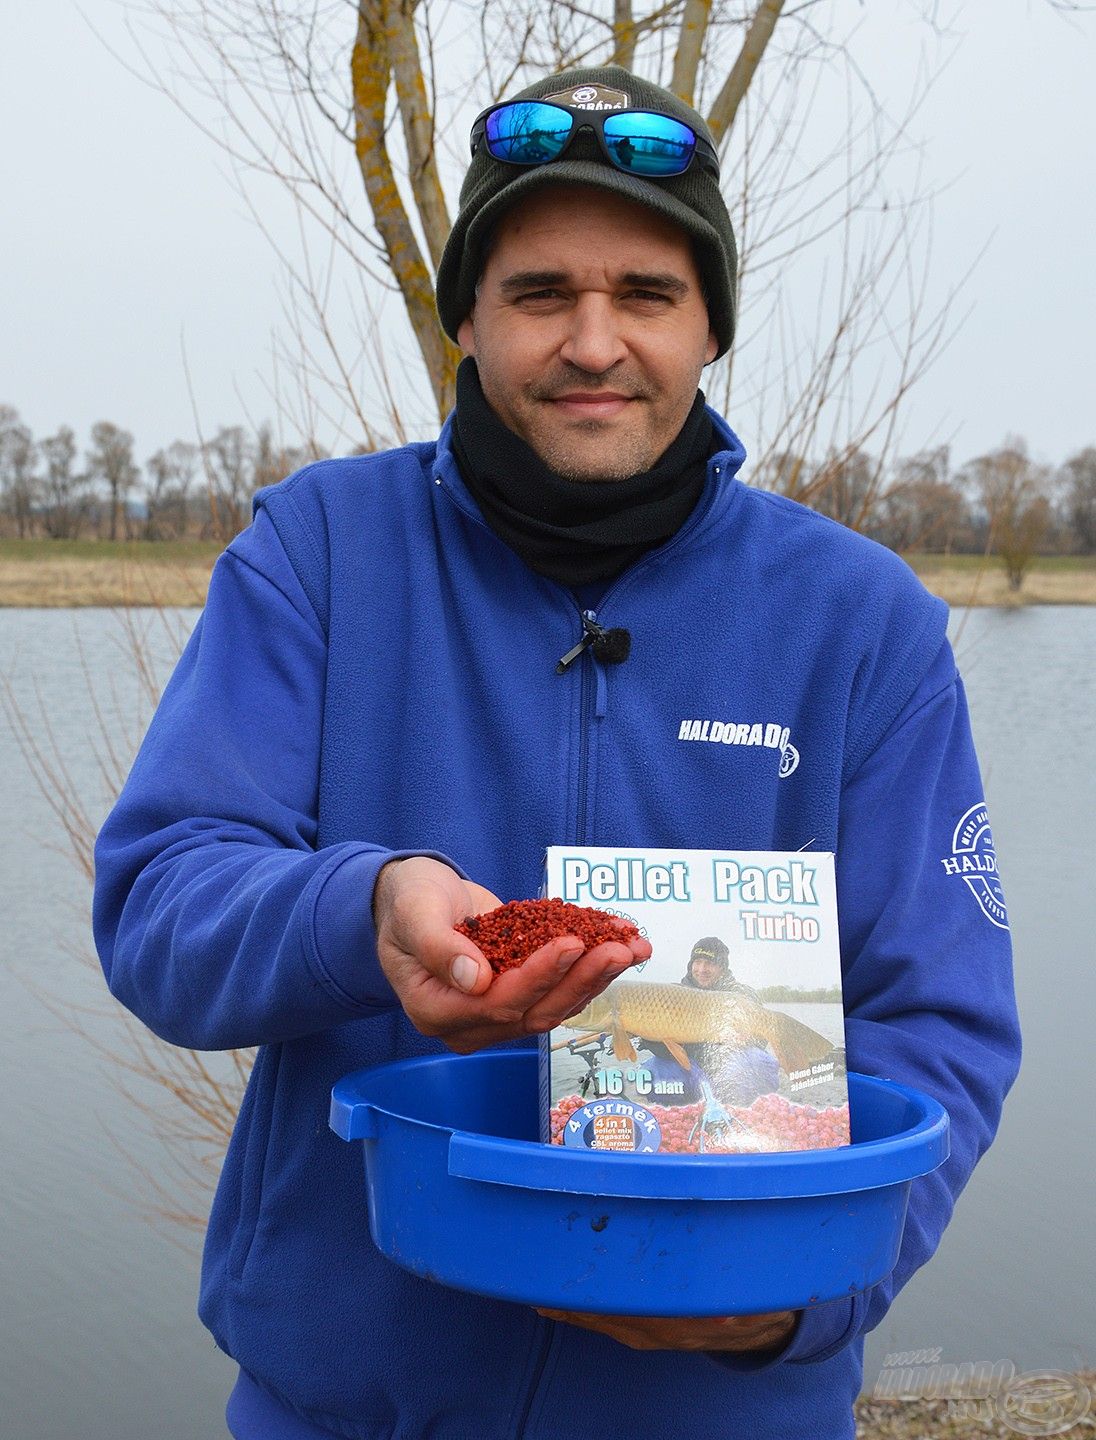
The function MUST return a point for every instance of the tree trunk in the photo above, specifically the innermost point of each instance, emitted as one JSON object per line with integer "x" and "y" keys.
{"x": 624, "y": 34}
{"x": 370, "y": 67}
{"x": 690, "y": 43}
{"x": 722, "y": 114}
{"x": 418, "y": 127}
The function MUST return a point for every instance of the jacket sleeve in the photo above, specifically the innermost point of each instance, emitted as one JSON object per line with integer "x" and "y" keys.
{"x": 927, "y": 968}
{"x": 217, "y": 921}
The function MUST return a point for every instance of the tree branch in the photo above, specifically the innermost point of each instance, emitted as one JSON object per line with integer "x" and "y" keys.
{"x": 690, "y": 43}
{"x": 624, "y": 35}
{"x": 418, "y": 126}
{"x": 722, "y": 114}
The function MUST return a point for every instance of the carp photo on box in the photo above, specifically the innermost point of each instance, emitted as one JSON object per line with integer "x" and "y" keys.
{"x": 730, "y": 1038}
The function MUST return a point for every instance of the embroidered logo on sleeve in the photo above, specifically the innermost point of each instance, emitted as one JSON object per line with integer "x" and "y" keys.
{"x": 974, "y": 859}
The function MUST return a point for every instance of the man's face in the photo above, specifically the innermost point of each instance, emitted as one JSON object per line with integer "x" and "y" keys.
{"x": 705, "y": 972}
{"x": 590, "y": 331}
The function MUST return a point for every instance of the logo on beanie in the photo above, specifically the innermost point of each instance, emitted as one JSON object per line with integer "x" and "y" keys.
{"x": 592, "y": 97}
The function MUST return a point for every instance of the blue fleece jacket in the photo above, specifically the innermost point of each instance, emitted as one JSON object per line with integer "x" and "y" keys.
{"x": 375, "y": 675}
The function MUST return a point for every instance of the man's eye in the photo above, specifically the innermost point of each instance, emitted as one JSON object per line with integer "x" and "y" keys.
{"x": 649, "y": 295}
{"x": 539, "y": 295}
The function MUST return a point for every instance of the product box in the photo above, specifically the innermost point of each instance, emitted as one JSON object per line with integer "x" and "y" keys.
{"x": 730, "y": 1038}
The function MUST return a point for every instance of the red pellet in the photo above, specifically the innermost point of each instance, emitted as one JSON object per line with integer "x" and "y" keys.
{"x": 509, "y": 935}
{"x": 775, "y": 1123}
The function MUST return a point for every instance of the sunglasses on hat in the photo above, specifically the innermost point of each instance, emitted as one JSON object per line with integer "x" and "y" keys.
{"x": 639, "y": 142}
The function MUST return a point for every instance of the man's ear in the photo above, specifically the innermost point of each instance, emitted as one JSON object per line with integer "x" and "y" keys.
{"x": 466, "y": 335}
{"x": 712, "y": 348}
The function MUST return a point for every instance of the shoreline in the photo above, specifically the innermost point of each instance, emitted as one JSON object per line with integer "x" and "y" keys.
{"x": 88, "y": 574}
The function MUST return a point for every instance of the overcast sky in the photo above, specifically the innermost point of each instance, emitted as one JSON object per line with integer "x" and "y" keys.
{"x": 123, "y": 236}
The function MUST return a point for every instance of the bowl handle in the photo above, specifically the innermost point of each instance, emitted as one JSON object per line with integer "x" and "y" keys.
{"x": 487, "y": 1158}
{"x": 350, "y": 1117}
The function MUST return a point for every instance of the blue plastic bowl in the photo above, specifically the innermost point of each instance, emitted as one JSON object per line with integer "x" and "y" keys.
{"x": 461, "y": 1192}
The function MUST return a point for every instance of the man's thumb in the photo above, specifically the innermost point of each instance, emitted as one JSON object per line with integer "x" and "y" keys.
{"x": 464, "y": 973}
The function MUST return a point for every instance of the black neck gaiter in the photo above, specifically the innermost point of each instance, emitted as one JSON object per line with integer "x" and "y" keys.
{"x": 574, "y": 532}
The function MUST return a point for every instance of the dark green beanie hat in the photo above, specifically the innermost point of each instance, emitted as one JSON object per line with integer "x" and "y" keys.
{"x": 692, "y": 200}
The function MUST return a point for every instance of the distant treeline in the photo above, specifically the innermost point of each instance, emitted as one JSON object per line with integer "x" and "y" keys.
{"x": 1001, "y": 503}
{"x": 787, "y": 995}
{"x": 47, "y": 488}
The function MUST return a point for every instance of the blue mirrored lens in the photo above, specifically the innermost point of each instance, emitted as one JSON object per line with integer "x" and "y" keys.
{"x": 649, "y": 144}
{"x": 527, "y": 133}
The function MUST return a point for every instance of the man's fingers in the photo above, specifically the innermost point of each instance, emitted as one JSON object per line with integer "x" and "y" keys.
{"x": 574, "y": 990}
{"x": 515, "y": 990}
{"x": 640, "y": 946}
{"x": 454, "y": 960}
{"x": 510, "y": 997}
{"x": 444, "y": 980}
{"x": 469, "y": 971}
{"x": 437, "y": 1003}
{"x": 742, "y": 1333}
{"x": 519, "y": 989}
{"x": 421, "y": 928}
{"x": 482, "y": 899}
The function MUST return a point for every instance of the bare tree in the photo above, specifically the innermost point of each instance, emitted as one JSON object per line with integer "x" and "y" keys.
{"x": 229, "y": 458}
{"x": 785, "y": 473}
{"x": 64, "y": 491}
{"x": 111, "y": 461}
{"x": 300, "y": 94}
{"x": 1079, "y": 478}
{"x": 273, "y": 462}
{"x": 18, "y": 471}
{"x": 170, "y": 473}
{"x": 923, "y": 509}
{"x": 846, "y": 487}
{"x": 1014, "y": 493}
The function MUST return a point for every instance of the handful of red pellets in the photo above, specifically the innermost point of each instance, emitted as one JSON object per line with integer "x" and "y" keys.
{"x": 509, "y": 935}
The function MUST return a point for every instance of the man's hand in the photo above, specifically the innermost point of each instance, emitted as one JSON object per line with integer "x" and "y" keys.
{"x": 442, "y": 980}
{"x": 744, "y": 1333}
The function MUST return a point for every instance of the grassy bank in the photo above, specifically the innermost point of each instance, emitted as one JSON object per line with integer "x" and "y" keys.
{"x": 974, "y": 580}
{"x": 69, "y": 573}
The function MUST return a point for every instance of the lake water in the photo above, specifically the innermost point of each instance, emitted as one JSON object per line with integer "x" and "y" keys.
{"x": 98, "y": 1336}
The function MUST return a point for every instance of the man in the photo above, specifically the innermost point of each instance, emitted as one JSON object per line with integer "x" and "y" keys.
{"x": 416, "y": 670}
{"x": 744, "y": 1071}
{"x": 709, "y": 968}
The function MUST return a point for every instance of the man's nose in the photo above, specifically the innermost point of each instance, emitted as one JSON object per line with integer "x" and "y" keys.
{"x": 594, "y": 341}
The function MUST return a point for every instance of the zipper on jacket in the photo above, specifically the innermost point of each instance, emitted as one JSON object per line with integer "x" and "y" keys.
{"x": 583, "y": 753}
{"x": 593, "y": 702}
{"x": 611, "y": 645}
